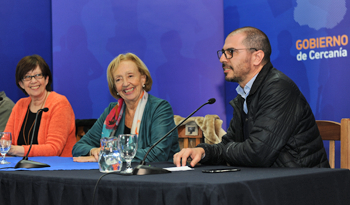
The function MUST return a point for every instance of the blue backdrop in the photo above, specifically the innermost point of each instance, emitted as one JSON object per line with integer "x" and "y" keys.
{"x": 292, "y": 26}
{"x": 25, "y": 29}
{"x": 309, "y": 40}
{"x": 178, "y": 40}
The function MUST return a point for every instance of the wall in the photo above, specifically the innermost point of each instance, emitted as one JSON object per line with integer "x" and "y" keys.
{"x": 25, "y": 29}
{"x": 177, "y": 40}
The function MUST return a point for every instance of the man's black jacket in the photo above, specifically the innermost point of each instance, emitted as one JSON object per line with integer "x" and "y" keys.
{"x": 281, "y": 128}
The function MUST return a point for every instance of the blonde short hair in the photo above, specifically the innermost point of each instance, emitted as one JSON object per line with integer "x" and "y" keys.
{"x": 113, "y": 65}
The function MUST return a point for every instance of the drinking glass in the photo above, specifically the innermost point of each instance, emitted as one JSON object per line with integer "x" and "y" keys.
{"x": 127, "y": 144}
{"x": 5, "y": 145}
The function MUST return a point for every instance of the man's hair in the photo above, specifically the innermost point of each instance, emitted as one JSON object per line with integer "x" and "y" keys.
{"x": 255, "y": 38}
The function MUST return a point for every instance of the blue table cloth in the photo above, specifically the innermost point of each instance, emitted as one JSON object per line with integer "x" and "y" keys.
{"x": 56, "y": 163}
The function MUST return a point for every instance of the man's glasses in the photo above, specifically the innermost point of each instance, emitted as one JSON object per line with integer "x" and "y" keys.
{"x": 229, "y": 52}
{"x": 29, "y": 77}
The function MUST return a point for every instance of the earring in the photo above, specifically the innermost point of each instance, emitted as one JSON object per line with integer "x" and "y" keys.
{"x": 117, "y": 93}
{"x": 143, "y": 85}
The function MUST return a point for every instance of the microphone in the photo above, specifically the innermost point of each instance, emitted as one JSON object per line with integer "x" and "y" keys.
{"x": 1, "y": 98}
{"x": 142, "y": 169}
{"x": 25, "y": 163}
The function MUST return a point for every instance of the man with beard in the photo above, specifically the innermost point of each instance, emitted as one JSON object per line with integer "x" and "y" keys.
{"x": 272, "y": 125}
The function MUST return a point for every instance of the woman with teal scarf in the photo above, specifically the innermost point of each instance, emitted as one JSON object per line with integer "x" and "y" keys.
{"x": 135, "y": 112}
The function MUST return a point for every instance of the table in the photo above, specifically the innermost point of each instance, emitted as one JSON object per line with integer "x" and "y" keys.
{"x": 248, "y": 186}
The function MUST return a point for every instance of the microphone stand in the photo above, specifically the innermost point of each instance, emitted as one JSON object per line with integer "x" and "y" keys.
{"x": 142, "y": 169}
{"x": 25, "y": 163}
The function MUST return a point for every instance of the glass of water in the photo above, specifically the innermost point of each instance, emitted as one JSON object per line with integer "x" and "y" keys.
{"x": 5, "y": 145}
{"x": 127, "y": 144}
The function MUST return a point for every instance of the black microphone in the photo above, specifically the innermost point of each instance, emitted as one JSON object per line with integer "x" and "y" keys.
{"x": 145, "y": 170}
{"x": 211, "y": 101}
{"x": 1, "y": 98}
{"x": 25, "y": 163}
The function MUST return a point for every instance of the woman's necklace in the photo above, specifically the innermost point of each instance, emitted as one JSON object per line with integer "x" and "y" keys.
{"x": 25, "y": 123}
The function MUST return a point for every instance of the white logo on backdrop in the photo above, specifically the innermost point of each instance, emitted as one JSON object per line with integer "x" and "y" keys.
{"x": 319, "y": 14}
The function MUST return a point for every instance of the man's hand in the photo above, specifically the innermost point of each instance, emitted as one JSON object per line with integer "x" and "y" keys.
{"x": 84, "y": 159}
{"x": 195, "y": 154}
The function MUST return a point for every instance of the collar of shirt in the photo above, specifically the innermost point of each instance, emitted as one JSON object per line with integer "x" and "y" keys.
{"x": 244, "y": 92}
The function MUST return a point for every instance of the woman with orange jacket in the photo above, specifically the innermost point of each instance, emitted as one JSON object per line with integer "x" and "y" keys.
{"x": 54, "y": 133}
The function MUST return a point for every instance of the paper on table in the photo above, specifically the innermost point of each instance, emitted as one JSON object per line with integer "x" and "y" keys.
{"x": 183, "y": 168}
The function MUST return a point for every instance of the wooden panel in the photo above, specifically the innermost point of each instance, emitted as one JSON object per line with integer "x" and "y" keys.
{"x": 182, "y": 133}
{"x": 330, "y": 130}
{"x": 331, "y": 158}
{"x": 345, "y": 144}
{"x": 186, "y": 138}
